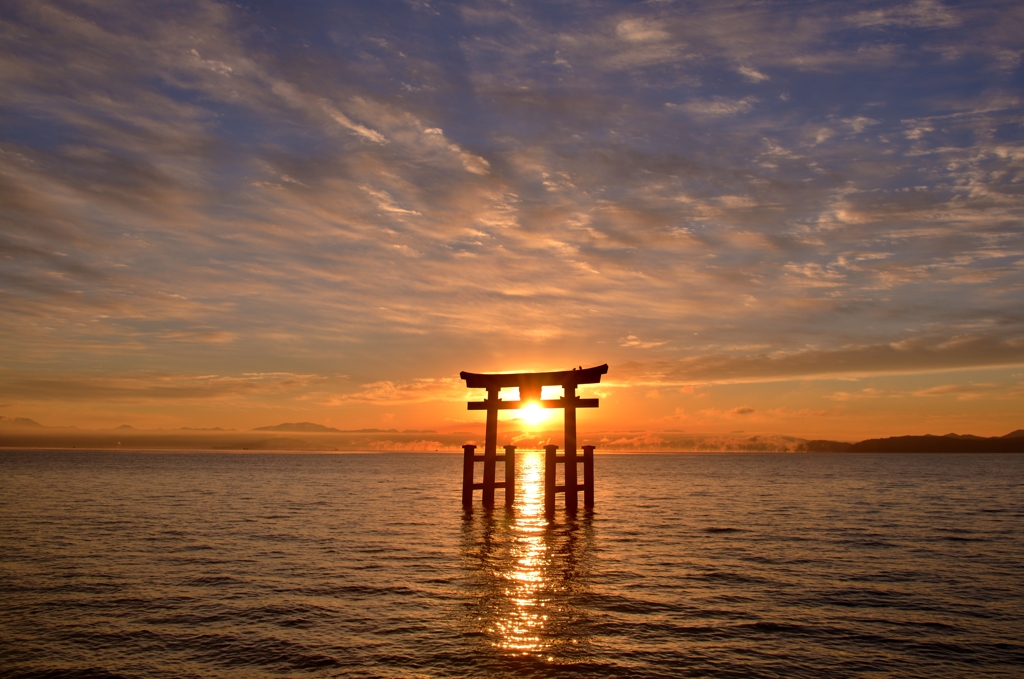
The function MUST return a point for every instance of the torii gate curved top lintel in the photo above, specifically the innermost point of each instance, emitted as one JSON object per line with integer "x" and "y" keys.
{"x": 530, "y": 383}
{"x": 530, "y": 387}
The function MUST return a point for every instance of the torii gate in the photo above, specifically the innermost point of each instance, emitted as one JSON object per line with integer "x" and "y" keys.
{"x": 530, "y": 386}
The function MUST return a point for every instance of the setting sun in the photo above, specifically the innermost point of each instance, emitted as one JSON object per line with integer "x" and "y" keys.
{"x": 532, "y": 414}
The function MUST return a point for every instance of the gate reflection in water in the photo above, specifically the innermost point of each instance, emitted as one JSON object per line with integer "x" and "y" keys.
{"x": 530, "y": 574}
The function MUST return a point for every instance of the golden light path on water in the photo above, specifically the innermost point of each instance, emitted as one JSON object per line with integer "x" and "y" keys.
{"x": 528, "y": 571}
{"x": 520, "y": 630}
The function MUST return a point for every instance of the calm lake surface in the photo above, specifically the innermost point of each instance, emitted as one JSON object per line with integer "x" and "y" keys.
{"x": 120, "y": 564}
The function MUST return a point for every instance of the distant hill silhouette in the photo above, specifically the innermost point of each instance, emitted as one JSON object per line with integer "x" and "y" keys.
{"x": 307, "y": 427}
{"x": 823, "y": 446}
{"x": 19, "y": 422}
{"x": 950, "y": 443}
{"x": 1011, "y": 443}
{"x": 25, "y": 432}
{"x": 313, "y": 428}
{"x": 281, "y": 443}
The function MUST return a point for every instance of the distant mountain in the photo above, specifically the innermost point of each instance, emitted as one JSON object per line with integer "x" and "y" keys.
{"x": 19, "y": 422}
{"x": 306, "y": 427}
{"x": 312, "y": 428}
{"x": 824, "y": 446}
{"x": 281, "y": 443}
{"x": 125, "y": 426}
{"x": 950, "y": 443}
{"x": 940, "y": 444}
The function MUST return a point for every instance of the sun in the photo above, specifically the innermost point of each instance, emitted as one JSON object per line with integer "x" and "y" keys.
{"x": 532, "y": 414}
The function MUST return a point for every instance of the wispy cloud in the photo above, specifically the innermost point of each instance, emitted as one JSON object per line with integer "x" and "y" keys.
{"x": 156, "y": 387}
{"x": 917, "y": 355}
{"x": 415, "y": 391}
{"x": 718, "y": 106}
{"x": 919, "y": 14}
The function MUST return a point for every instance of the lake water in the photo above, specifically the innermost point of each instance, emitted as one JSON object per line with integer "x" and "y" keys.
{"x": 118, "y": 564}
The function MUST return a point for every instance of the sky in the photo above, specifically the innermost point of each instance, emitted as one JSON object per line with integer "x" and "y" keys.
{"x": 791, "y": 217}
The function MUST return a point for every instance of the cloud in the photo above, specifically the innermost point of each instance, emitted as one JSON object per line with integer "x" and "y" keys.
{"x": 641, "y": 30}
{"x": 919, "y": 14}
{"x": 867, "y": 392}
{"x": 916, "y": 355}
{"x": 414, "y": 446}
{"x": 676, "y": 441}
{"x": 717, "y": 106}
{"x": 973, "y": 391}
{"x": 415, "y": 391}
{"x": 361, "y": 130}
{"x": 752, "y": 74}
{"x": 157, "y": 387}
{"x": 859, "y": 123}
{"x": 634, "y": 341}
{"x": 969, "y": 391}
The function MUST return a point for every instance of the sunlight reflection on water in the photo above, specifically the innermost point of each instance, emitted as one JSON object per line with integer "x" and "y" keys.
{"x": 522, "y": 629}
{"x": 531, "y": 570}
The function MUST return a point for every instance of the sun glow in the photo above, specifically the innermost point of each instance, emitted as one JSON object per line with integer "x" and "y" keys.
{"x": 532, "y": 414}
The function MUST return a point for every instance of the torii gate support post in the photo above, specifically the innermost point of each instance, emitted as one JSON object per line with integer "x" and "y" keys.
{"x": 588, "y": 477}
{"x": 490, "y": 447}
{"x": 549, "y": 479}
{"x": 510, "y": 475}
{"x": 571, "y": 501}
{"x": 468, "y": 455}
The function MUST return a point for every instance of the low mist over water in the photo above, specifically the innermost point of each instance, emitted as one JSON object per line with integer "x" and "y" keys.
{"x": 126, "y": 564}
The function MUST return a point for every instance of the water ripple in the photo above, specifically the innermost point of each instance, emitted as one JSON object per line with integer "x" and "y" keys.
{"x": 207, "y": 565}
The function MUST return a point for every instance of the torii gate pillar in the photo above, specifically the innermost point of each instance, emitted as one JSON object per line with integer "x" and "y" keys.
{"x": 530, "y": 386}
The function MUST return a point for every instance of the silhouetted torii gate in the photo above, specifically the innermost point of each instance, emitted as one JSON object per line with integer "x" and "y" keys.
{"x": 530, "y": 386}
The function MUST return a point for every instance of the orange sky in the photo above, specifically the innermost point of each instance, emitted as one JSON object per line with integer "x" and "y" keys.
{"x": 849, "y": 408}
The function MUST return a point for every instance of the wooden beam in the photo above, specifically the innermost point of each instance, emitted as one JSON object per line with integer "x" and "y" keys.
{"x": 544, "y": 403}
{"x": 561, "y": 489}
{"x": 532, "y": 382}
